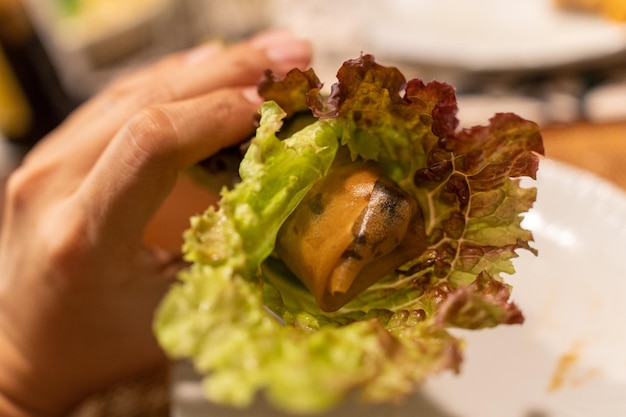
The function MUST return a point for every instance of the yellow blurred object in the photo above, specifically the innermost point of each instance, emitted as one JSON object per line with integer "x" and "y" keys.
{"x": 614, "y": 9}
{"x": 15, "y": 112}
{"x": 611, "y": 9}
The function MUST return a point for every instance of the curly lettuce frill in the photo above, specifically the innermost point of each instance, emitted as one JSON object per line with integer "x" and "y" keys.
{"x": 249, "y": 326}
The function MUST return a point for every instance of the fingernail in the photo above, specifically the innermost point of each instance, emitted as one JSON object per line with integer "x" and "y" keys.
{"x": 252, "y": 95}
{"x": 202, "y": 52}
{"x": 282, "y": 46}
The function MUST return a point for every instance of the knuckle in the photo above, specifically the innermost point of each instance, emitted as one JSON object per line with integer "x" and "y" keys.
{"x": 162, "y": 92}
{"x": 248, "y": 68}
{"x": 224, "y": 105}
{"x": 67, "y": 242}
{"x": 140, "y": 91}
{"x": 246, "y": 65}
{"x": 21, "y": 186}
{"x": 70, "y": 252}
{"x": 149, "y": 134}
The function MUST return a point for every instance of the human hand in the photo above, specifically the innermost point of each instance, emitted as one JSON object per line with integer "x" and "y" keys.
{"x": 80, "y": 280}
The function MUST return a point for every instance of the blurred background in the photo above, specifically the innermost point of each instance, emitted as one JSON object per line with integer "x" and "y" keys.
{"x": 553, "y": 61}
{"x": 561, "y": 63}
{"x": 557, "y": 62}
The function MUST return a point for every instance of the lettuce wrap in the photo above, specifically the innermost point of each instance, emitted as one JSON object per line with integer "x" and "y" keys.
{"x": 251, "y": 316}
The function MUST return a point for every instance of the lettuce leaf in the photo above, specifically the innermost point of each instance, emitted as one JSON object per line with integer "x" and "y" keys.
{"x": 249, "y": 326}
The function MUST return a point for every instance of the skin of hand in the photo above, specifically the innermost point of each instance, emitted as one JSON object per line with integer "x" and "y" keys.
{"x": 80, "y": 280}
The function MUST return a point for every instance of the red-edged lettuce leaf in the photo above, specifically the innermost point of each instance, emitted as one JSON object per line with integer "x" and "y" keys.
{"x": 464, "y": 180}
{"x": 385, "y": 342}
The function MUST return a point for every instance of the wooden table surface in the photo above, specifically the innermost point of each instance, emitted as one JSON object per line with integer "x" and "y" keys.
{"x": 596, "y": 147}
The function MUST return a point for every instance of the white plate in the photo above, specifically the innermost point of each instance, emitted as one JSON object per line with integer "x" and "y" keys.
{"x": 568, "y": 359}
{"x": 491, "y": 34}
{"x": 471, "y": 35}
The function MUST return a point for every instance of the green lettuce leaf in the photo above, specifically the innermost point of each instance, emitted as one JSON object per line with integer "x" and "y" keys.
{"x": 249, "y": 326}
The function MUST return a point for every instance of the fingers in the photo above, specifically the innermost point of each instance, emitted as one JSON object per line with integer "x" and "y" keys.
{"x": 191, "y": 98}
{"x": 138, "y": 169}
{"x": 196, "y": 72}
{"x": 204, "y": 69}
{"x": 211, "y": 65}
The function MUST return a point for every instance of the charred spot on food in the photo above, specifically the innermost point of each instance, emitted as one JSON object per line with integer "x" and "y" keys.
{"x": 374, "y": 247}
{"x": 394, "y": 199}
{"x": 357, "y": 227}
{"x": 316, "y": 205}
{"x": 389, "y": 208}
{"x": 360, "y": 239}
{"x": 351, "y": 253}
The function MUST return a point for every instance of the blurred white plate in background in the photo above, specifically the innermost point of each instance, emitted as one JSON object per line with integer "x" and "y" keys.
{"x": 492, "y": 34}
{"x": 476, "y": 35}
{"x": 567, "y": 360}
